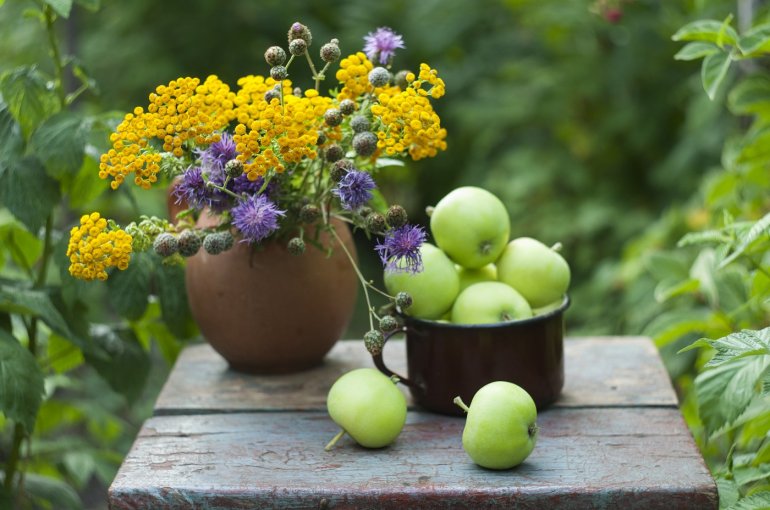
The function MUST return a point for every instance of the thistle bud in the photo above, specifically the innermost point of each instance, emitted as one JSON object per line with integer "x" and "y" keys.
{"x": 297, "y": 92}
{"x": 403, "y": 300}
{"x": 337, "y": 173}
{"x": 333, "y": 117}
{"x": 298, "y": 31}
{"x": 297, "y": 47}
{"x": 376, "y": 223}
{"x": 365, "y": 211}
{"x": 278, "y": 73}
{"x": 309, "y": 213}
{"x": 330, "y": 52}
{"x": 365, "y": 143}
{"x": 296, "y": 246}
{"x": 275, "y": 56}
{"x": 400, "y": 79}
{"x": 234, "y": 168}
{"x": 272, "y": 94}
{"x": 388, "y": 323}
{"x": 218, "y": 242}
{"x": 379, "y": 77}
{"x": 334, "y": 153}
{"x": 189, "y": 243}
{"x": 165, "y": 245}
{"x": 347, "y": 106}
{"x": 359, "y": 123}
{"x": 396, "y": 216}
{"x": 374, "y": 341}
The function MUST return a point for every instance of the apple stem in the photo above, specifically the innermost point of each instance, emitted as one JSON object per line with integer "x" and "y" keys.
{"x": 556, "y": 247}
{"x": 533, "y": 429}
{"x": 459, "y": 402}
{"x": 395, "y": 378}
{"x": 334, "y": 440}
{"x": 429, "y": 210}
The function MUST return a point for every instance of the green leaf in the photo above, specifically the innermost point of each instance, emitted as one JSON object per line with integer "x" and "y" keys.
{"x": 667, "y": 289}
{"x": 28, "y": 97}
{"x": 91, "y": 5}
{"x": 717, "y": 32}
{"x": 728, "y": 490}
{"x": 746, "y": 472}
{"x": 666, "y": 265}
{"x": 173, "y": 300}
{"x": 713, "y": 72}
{"x": 757, "y": 501}
{"x": 28, "y": 192}
{"x": 61, "y": 7}
{"x": 86, "y": 184}
{"x": 11, "y": 142}
{"x": 62, "y": 354}
{"x": 37, "y": 304}
{"x": 23, "y": 247}
{"x": 80, "y": 466}
{"x": 695, "y": 50}
{"x": 59, "y": 142}
{"x": 130, "y": 288}
{"x": 21, "y": 382}
{"x": 674, "y": 324}
{"x": 750, "y": 96}
{"x": 756, "y": 40}
{"x": 128, "y": 364}
{"x": 725, "y": 391}
{"x": 52, "y": 491}
{"x": 737, "y": 345}
{"x": 759, "y": 228}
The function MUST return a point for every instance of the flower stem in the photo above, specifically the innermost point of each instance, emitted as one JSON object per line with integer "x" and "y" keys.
{"x": 334, "y": 440}
{"x": 224, "y": 190}
{"x": 55, "y": 55}
{"x": 459, "y": 402}
{"x": 358, "y": 273}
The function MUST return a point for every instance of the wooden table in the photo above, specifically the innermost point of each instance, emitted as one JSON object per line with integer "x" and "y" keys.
{"x": 222, "y": 440}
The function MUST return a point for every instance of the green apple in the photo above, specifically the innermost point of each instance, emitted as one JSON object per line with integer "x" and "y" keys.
{"x": 550, "y": 307}
{"x": 538, "y": 272}
{"x": 468, "y": 276}
{"x": 489, "y": 302}
{"x": 433, "y": 289}
{"x": 471, "y": 225}
{"x": 368, "y": 406}
{"x": 501, "y": 426}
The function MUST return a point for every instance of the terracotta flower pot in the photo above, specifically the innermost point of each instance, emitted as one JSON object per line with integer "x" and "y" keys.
{"x": 267, "y": 311}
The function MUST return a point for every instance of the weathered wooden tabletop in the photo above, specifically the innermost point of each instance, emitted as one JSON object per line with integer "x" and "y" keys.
{"x": 221, "y": 440}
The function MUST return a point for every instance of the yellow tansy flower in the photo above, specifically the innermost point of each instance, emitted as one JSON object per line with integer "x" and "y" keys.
{"x": 93, "y": 248}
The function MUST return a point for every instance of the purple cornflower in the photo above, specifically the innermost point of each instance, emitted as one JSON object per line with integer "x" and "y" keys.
{"x": 382, "y": 43}
{"x": 354, "y": 189}
{"x": 192, "y": 189}
{"x": 256, "y": 218}
{"x": 242, "y": 184}
{"x": 400, "y": 249}
{"x": 216, "y": 156}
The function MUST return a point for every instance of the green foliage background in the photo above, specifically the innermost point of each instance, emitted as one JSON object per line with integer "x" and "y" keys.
{"x": 590, "y": 131}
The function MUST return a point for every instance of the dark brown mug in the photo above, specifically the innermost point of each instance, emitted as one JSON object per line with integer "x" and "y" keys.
{"x": 448, "y": 360}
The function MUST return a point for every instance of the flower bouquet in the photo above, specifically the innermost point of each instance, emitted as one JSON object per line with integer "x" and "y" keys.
{"x": 272, "y": 162}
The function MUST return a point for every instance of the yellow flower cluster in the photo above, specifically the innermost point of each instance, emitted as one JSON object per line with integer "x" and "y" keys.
{"x": 183, "y": 110}
{"x": 291, "y": 129}
{"x": 409, "y": 122}
{"x": 354, "y": 76}
{"x": 93, "y": 248}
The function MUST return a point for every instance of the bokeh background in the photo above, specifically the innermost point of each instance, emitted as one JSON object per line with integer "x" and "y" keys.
{"x": 573, "y": 112}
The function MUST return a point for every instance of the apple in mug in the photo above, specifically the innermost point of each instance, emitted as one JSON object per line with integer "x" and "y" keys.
{"x": 488, "y": 303}
{"x": 368, "y": 406}
{"x": 468, "y": 276}
{"x": 471, "y": 225}
{"x": 501, "y": 426}
{"x": 538, "y": 272}
{"x": 433, "y": 290}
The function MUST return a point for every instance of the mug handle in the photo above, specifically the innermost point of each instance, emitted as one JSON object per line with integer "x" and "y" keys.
{"x": 380, "y": 363}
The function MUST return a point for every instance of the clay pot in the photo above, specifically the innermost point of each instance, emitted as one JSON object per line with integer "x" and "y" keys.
{"x": 267, "y": 311}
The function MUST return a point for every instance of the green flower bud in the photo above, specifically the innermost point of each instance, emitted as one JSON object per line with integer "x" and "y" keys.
{"x": 396, "y": 216}
{"x": 376, "y": 223}
{"x": 347, "y": 106}
{"x": 334, "y": 153}
{"x": 379, "y": 77}
{"x": 374, "y": 341}
{"x": 309, "y": 213}
{"x": 333, "y": 117}
{"x": 400, "y": 79}
{"x": 218, "y": 242}
{"x": 388, "y": 323}
{"x": 365, "y": 211}
{"x": 189, "y": 243}
{"x": 297, "y": 47}
{"x": 403, "y": 300}
{"x": 275, "y": 56}
{"x": 278, "y": 73}
{"x": 296, "y": 246}
{"x": 321, "y": 138}
{"x": 234, "y": 168}
{"x": 165, "y": 245}
{"x": 359, "y": 123}
{"x": 271, "y": 94}
{"x": 330, "y": 52}
{"x": 298, "y": 31}
{"x": 365, "y": 143}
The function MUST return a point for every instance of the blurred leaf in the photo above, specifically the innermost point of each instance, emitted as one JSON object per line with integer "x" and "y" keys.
{"x": 52, "y": 491}
{"x": 674, "y": 324}
{"x": 23, "y": 247}
{"x": 755, "y": 40}
{"x": 760, "y": 227}
{"x": 28, "y": 97}
{"x": 752, "y": 95}
{"x": 703, "y": 269}
{"x": 667, "y": 265}
{"x": 128, "y": 365}
{"x": 86, "y": 185}
{"x": 706, "y": 236}
{"x": 28, "y": 192}
{"x": 61, "y": 7}
{"x": 728, "y": 491}
{"x": 59, "y": 142}
{"x": 130, "y": 288}
{"x": 757, "y": 501}
{"x": 713, "y": 71}
{"x": 725, "y": 391}
{"x": 11, "y": 142}
{"x": 173, "y": 300}
{"x": 37, "y": 304}
{"x": 667, "y": 289}
{"x": 80, "y": 465}
{"x": 695, "y": 50}
{"x": 91, "y": 5}
{"x": 63, "y": 356}
{"x": 21, "y": 382}
{"x": 709, "y": 30}
{"x": 746, "y": 471}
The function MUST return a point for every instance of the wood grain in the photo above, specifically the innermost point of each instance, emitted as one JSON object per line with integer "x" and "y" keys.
{"x": 599, "y": 371}
{"x": 610, "y": 457}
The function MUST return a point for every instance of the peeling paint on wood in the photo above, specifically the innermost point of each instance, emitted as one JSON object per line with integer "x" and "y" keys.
{"x": 599, "y": 371}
